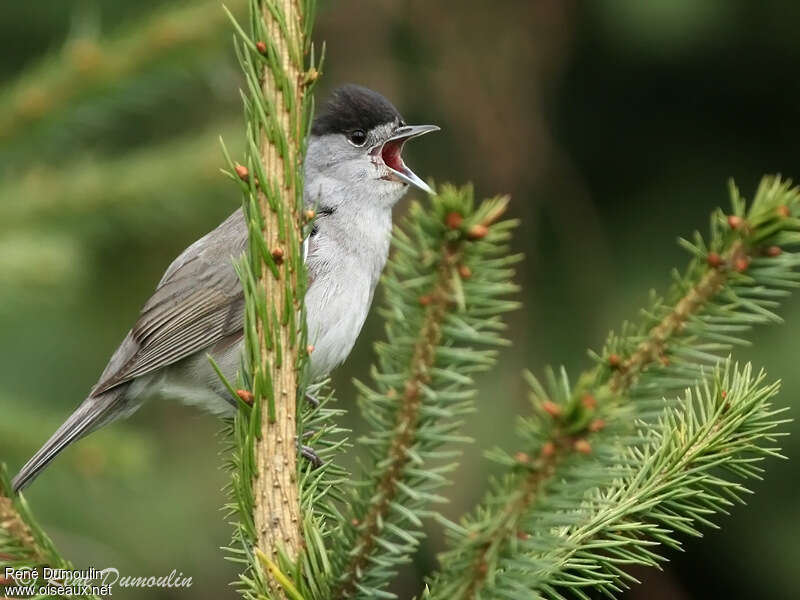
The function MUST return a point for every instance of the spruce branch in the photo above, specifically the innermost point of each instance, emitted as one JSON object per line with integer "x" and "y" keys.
{"x": 684, "y": 469}
{"x": 687, "y": 471}
{"x": 265, "y": 486}
{"x": 444, "y": 288}
{"x": 187, "y": 166}
{"x": 23, "y": 544}
{"x": 13, "y": 527}
{"x": 576, "y": 438}
{"x": 275, "y": 376}
{"x": 105, "y": 72}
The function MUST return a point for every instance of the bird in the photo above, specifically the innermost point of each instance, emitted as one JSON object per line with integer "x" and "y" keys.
{"x": 354, "y": 174}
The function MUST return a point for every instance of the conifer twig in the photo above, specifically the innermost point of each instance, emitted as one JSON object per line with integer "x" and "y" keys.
{"x": 12, "y": 524}
{"x": 23, "y": 544}
{"x": 276, "y": 493}
{"x": 654, "y": 346}
{"x": 187, "y": 165}
{"x": 562, "y": 443}
{"x": 265, "y": 484}
{"x": 731, "y": 284}
{"x": 438, "y": 302}
{"x": 717, "y": 436}
{"x": 87, "y": 65}
{"x": 444, "y": 288}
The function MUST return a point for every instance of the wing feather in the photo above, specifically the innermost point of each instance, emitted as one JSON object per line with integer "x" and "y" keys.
{"x": 198, "y": 302}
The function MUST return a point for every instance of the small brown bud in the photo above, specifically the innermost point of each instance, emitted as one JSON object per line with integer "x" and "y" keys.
{"x": 483, "y": 568}
{"x": 425, "y": 300}
{"x": 783, "y": 211}
{"x": 548, "y": 449}
{"x": 355, "y": 522}
{"x": 664, "y": 360}
{"x": 242, "y": 172}
{"x": 309, "y": 214}
{"x": 551, "y": 408}
{"x": 741, "y": 263}
{"x": 723, "y": 394}
{"x": 310, "y": 348}
{"x": 464, "y": 271}
{"x": 589, "y": 402}
{"x": 597, "y": 425}
{"x": 735, "y": 222}
{"x": 614, "y": 361}
{"x": 582, "y": 446}
{"x": 247, "y": 397}
{"x": 311, "y": 75}
{"x": 477, "y": 232}
{"x": 714, "y": 260}
{"x": 773, "y": 251}
{"x": 277, "y": 255}
{"x": 521, "y": 457}
{"x": 261, "y": 47}
{"x": 521, "y": 535}
{"x": 391, "y": 393}
{"x": 453, "y": 220}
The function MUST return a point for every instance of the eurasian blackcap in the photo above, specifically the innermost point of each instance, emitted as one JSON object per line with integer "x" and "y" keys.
{"x": 354, "y": 175}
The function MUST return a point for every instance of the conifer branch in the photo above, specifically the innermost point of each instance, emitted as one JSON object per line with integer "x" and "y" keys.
{"x": 14, "y": 529}
{"x": 718, "y": 434}
{"x": 276, "y": 493}
{"x": 610, "y": 468}
{"x": 266, "y": 484}
{"x": 88, "y": 67}
{"x": 442, "y": 296}
{"x": 23, "y": 544}
{"x": 438, "y": 302}
{"x": 656, "y": 344}
{"x": 731, "y": 284}
{"x": 136, "y": 181}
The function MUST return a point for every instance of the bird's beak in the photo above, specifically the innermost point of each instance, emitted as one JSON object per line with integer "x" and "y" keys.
{"x": 392, "y": 148}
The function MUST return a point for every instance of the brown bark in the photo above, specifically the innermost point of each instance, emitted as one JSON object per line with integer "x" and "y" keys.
{"x": 275, "y": 488}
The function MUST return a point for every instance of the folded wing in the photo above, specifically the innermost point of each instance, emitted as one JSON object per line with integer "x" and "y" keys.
{"x": 198, "y": 302}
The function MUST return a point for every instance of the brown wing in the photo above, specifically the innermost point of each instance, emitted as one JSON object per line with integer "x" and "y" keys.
{"x": 198, "y": 302}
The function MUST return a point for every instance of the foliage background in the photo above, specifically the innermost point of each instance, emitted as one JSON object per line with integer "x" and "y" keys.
{"x": 614, "y": 124}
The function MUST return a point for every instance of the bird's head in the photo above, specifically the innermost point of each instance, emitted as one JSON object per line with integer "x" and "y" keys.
{"x": 355, "y": 147}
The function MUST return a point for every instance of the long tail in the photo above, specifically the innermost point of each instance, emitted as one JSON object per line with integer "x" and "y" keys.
{"x": 93, "y": 413}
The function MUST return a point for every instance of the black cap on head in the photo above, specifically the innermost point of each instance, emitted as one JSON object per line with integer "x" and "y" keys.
{"x": 354, "y": 107}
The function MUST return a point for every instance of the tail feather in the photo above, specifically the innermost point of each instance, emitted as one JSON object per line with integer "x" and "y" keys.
{"x": 90, "y": 415}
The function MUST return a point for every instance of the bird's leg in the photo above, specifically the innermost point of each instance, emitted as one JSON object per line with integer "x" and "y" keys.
{"x": 308, "y": 452}
{"x": 312, "y": 393}
{"x": 312, "y": 399}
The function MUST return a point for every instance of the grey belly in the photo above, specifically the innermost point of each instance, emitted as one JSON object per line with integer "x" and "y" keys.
{"x": 336, "y": 310}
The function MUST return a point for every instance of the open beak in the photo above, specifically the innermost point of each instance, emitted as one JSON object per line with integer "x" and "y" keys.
{"x": 391, "y": 154}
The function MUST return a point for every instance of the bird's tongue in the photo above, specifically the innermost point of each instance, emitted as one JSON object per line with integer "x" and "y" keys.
{"x": 391, "y": 155}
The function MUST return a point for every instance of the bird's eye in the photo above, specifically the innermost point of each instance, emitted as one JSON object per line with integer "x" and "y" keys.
{"x": 357, "y": 137}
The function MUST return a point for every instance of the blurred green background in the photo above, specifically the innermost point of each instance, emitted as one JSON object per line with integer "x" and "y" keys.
{"x": 614, "y": 124}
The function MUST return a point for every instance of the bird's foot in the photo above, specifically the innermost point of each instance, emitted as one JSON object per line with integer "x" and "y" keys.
{"x": 308, "y": 453}
{"x": 312, "y": 400}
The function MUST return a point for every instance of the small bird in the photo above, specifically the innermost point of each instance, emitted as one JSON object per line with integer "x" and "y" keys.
{"x": 354, "y": 175}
